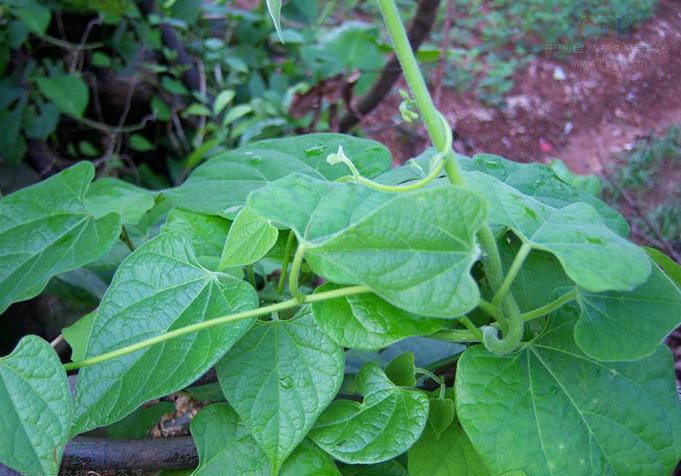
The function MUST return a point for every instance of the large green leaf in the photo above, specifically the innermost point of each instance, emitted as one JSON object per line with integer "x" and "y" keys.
{"x": 108, "y": 195}
{"x": 220, "y": 186}
{"x": 35, "y": 408}
{"x": 449, "y": 454}
{"x": 68, "y": 91}
{"x": 414, "y": 250}
{"x": 628, "y": 326}
{"x": 279, "y": 378}
{"x": 226, "y": 448}
{"x": 367, "y": 322}
{"x": 540, "y": 182}
{"x": 158, "y": 288}
{"x": 384, "y": 425}
{"x": 249, "y": 239}
{"x": 593, "y": 256}
{"x": 207, "y": 233}
{"x": 551, "y": 409}
{"x": 46, "y": 229}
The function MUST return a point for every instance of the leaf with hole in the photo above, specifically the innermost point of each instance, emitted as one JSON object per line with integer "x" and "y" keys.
{"x": 551, "y": 409}
{"x": 279, "y": 378}
{"x": 158, "y": 288}
{"x": 35, "y": 408}
{"x": 46, "y": 229}
{"x": 365, "y": 321}
{"x": 414, "y": 250}
{"x": 388, "y": 421}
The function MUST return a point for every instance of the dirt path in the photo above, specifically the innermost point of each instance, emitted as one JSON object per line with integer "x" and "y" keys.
{"x": 593, "y": 103}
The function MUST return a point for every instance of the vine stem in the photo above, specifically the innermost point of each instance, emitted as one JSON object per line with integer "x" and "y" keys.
{"x": 550, "y": 307}
{"x": 295, "y": 272}
{"x": 512, "y": 273}
{"x": 219, "y": 321}
{"x": 287, "y": 257}
{"x": 513, "y": 330}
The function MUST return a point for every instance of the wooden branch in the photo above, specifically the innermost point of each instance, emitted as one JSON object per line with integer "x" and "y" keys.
{"x": 418, "y": 30}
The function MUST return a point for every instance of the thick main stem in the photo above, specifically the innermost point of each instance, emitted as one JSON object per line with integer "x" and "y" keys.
{"x": 219, "y": 321}
{"x": 434, "y": 126}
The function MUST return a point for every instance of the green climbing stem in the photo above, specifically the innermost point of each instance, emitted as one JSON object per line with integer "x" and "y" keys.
{"x": 512, "y": 273}
{"x": 290, "y": 243}
{"x": 218, "y": 321}
{"x": 295, "y": 272}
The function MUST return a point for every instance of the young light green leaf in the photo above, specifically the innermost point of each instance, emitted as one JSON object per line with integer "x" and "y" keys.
{"x": 274, "y": 7}
{"x": 159, "y": 287}
{"x": 220, "y": 185}
{"x": 414, "y": 250}
{"x": 441, "y": 412}
{"x": 249, "y": 239}
{"x": 279, "y": 377}
{"x": 593, "y": 256}
{"x": 46, "y": 229}
{"x": 222, "y": 100}
{"x": 615, "y": 418}
{"x": 448, "y": 454}
{"x": 367, "y": 322}
{"x": 35, "y": 408}
{"x": 628, "y": 326}
{"x": 226, "y": 448}
{"x": 78, "y": 335}
{"x": 384, "y": 425}
{"x": 68, "y": 91}
{"x": 668, "y": 265}
{"x": 108, "y": 195}
{"x": 401, "y": 370}
{"x": 207, "y": 233}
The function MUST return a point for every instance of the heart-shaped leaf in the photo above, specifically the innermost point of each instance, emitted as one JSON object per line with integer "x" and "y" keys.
{"x": 414, "y": 250}
{"x": 384, "y": 425}
{"x": 158, "y": 288}
{"x": 279, "y": 377}
{"x": 220, "y": 186}
{"x": 551, "y": 409}
{"x": 46, "y": 229}
{"x": 593, "y": 256}
{"x": 249, "y": 239}
{"x": 35, "y": 408}
{"x": 401, "y": 370}
{"x": 367, "y": 322}
{"x": 226, "y": 448}
{"x": 628, "y": 326}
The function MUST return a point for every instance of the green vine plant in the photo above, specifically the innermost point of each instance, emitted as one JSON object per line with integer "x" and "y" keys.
{"x": 555, "y": 320}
